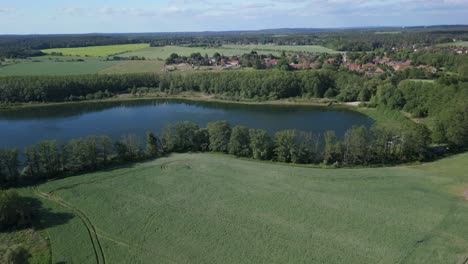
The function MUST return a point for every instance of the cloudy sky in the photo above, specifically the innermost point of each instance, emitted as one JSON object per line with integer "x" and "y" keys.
{"x": 85, "y": 16}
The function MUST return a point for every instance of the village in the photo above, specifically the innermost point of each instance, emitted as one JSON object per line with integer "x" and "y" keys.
{"x": 378, "y": 66}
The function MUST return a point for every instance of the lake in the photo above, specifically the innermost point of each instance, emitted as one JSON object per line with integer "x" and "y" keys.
{"x": 27, "y": 126}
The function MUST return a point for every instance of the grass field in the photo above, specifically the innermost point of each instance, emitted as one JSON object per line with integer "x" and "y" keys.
{"x": 454, "y": 44}
{"x": 279, "y": 48}
{"x": 228, "y": 50}
{"x": 97, "y": 51}
{"x": 135, "y": 66}
{"x": 46, "y": 67}
{"x": 208, "y": 208}
{"x": 166, "y": 51}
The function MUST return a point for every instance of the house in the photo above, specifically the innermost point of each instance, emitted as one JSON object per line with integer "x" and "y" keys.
{"x": 274, "y": 62}
{"x": 330, "y": 60}
{"x": 234, "y": 62}
{"x": 353, "y": 67}
{"x": 369, "y": 65}
{"x": 295, "y": 66}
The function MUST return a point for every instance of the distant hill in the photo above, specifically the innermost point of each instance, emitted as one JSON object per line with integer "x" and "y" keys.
{"x": 273, "y": 31}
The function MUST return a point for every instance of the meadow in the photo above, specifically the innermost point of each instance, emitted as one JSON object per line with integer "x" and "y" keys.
{"x": 97, "y": 51}
{"x": 210, "y": 208}
{"x": 43, "y": 66}
{"x": 280, "y": 48}
{"x": 227, "y": 50}
{"x": 455, "y": 44}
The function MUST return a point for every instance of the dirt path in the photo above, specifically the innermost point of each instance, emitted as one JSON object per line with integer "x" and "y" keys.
{"x": 98, "y": 252}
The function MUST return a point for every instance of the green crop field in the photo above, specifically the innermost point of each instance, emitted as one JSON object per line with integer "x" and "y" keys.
{"x": 208, "y": 208}
{"x": 279, "y": 48}
{"x": 97, "y": 51}
{"x": 166, "y": 51}
{"x": 228, "y": 50}
{"x": 46, "y": 67}
{"x": 134, "y": 66}
{"x": 455, "y": 44}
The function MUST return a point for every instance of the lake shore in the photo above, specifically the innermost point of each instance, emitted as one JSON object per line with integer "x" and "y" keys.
{"x": 196, "y": 97}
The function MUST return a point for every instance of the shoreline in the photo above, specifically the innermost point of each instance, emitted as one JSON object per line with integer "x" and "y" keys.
{"x": 193, "y": 97}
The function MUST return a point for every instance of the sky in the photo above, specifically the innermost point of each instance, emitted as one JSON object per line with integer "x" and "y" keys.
{"x": 119, "y": 16}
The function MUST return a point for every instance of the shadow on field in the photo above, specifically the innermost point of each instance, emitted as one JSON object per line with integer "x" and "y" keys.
{"x": 44, "y": 217}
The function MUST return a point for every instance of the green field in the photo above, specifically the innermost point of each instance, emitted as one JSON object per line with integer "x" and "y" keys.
{"x": 166, "y": 51}
{"x": 279, "y": 48}
{"x": 135, "y": 66}
{"x": 97, "y": 51}
{"x": 227, "y": 50}
{"x": 50, "y": 67}
{"x": 454, "y": 44}
{"x": 208, "y": 208}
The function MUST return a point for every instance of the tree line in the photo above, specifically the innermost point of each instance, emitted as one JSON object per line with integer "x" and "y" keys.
{"x": 255, "y": 85}
{"x": 360, "y": 146}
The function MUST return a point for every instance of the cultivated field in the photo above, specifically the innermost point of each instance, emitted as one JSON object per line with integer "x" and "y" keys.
{"x": 207, "y": 208}
{"x": 97, "y": 51}
{"x": 227, "y": 50}
{"x": 166, "y": 51}
{"x": 51, "y": 67}
{"x": 280, "y": 48}
{"x": 455, "y": 44}
{"x": 135, "y": 66}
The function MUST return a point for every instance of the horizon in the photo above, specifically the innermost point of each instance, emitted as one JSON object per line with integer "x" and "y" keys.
{"x": 322, "y": 29}
{"x": 179, "y": 16}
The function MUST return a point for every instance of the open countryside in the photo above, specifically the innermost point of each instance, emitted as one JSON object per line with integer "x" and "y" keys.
{"x": 272, "y": 132}
{"x": 94, "y": 59}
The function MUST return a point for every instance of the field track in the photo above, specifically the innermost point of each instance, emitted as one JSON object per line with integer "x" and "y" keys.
{"x": 206, "y": 208}
{"x": 98, "y": 252}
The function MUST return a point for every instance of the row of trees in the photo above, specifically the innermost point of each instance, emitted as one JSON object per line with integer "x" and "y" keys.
{"x": 257, "y": 85}
{"x": 360, "y": 146}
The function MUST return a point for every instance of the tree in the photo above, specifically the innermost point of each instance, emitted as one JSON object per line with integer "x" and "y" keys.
{"x": 219, "y": 133}
{"x": 329, "y": 154}
{"x": 415, "y": 141}
{"x": 305, "y": 148}
{"x": 105, "y": 148}
{"x": 457, "y": 127}
{"x": 14, "y": 211}
{"x": 31, "y": 170}
{"x": 356, "y": 144}
{"x": 9, "y": 164}
{"x": 260, "y": 144}
{"x": 153, "y": 145}
{"x": 172, "y": 58}
{"x": 283, "y": 65}
{"x": 128, "y": 148}
{"x": 390, "y": 97}
{"x": 285, "y": 145}
{"x": 49, "y": 158}
{"x": 202, "y": 139}
{"x": 239, "y": 143}
{"x": 180, "y": 137}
